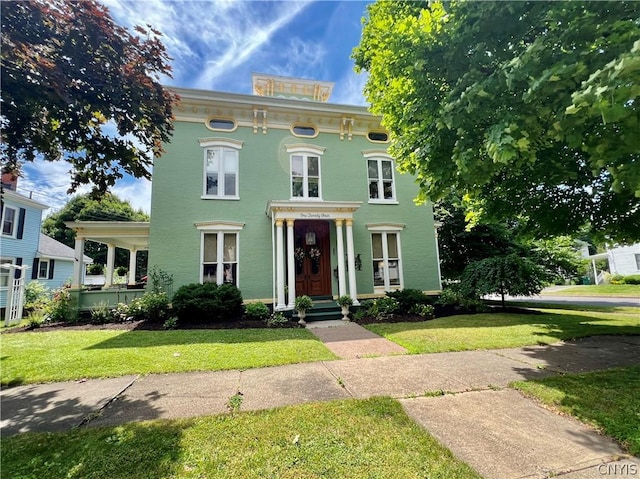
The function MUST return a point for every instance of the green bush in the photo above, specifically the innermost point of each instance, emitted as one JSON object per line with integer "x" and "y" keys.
{"x": 408, "y": 298}
{"x": 199, "y": 302}
{"x": 425, "y": 310}
{"x": 632, "y": 279}
{"x": 36, "y": 296}
{"x": 379, "y": 308}
{"x": 101, "y": 313}
{"x": 150, "y": 306}
{"x": 62, "y": 307}
{"x": 452, "y": 297}
{"x": 616, "y": 279}
{"x": 121, "y": 271}
{"x": 276, "y": 320}
{"x": 95, "y": 268}
{"x": 256, "y": 312}
{"x": 171, "y": 323}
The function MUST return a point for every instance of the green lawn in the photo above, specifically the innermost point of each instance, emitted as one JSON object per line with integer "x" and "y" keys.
{"x": 343, "y": 439}
{"x": 612, "y": 290}
{"x": 608, "y": 400}
{"x": 501, "y": 330}
{"x": 66, "y": 355}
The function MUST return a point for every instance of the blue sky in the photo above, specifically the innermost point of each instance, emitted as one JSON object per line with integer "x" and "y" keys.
{"x": 216, "y": 45}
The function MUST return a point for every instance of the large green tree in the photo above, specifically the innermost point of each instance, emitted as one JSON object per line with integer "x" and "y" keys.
{"x": 85, "y": 208}
{"x": 77, "y": 87}
{"x": 528, "y": 110}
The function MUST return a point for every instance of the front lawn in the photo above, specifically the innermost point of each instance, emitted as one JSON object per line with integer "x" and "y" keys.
{"x": 504, "y": 330}
{"x": 608, "y": 400}
{"x": 67, "y": 355}
{"x": 607, "y": 290}
{"x": 352, "y": 438}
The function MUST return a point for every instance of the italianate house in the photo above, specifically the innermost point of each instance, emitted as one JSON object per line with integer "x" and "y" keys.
{"x": 285, "y": 194}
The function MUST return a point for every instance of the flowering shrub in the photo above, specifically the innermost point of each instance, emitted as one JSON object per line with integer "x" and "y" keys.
{"x": 151, "y": 306}
{"x": 62, "y": 307}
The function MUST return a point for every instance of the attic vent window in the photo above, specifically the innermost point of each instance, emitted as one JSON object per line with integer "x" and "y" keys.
{"x": 378, "y": 136}
{"x": 304, "y": 130}
{"x": 224, "y": 124}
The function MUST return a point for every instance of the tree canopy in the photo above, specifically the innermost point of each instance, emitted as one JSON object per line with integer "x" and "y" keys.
{"x": 78, "y": 87}
{"x": 528, "y": 110}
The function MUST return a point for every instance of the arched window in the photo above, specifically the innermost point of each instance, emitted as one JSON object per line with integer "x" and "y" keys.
{"x": 305, "y": 171}
{"x": 221, "y": 168}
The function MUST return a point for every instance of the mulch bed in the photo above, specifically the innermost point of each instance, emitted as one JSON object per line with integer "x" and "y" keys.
{"x": 441, "y": 311}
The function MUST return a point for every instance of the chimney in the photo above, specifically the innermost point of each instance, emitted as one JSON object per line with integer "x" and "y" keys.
{"x": 10, "y": 180}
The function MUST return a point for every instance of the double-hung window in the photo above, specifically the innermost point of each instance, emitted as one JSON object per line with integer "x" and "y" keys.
{"x": 221, "y": 168}
{"x": 9, "y": 221}
{"x": 380, "y": 178}
{"x": 43, "y": 269}
{"x": 219, "y": 252}
{"x": 305, "y": 171}
{"x": 386, "y": 257}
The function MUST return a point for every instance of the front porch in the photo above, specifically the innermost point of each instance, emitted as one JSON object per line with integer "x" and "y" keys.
{"x": 131, "y": 236}
{"x": 294, "y": 277}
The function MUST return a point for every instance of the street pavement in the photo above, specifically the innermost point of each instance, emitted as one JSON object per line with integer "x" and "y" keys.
{"x": 461, "y": 398}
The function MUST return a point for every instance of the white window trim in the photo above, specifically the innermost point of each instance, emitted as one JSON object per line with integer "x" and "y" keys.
{"x": 230, "y": 143}
{"x": 220, "y": 228}
{"x": 384, "y": 229}
{"x": 6, "y": 272}
{"x": 16, "y": 215}
{"x": 381, "y": 155}
{"x": 305, "y": 151}
{"x": 48, "y": 261}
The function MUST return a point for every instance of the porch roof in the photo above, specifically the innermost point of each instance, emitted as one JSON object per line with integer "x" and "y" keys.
{"x": 310, "y": 209}
{"x": 132, "y": 235}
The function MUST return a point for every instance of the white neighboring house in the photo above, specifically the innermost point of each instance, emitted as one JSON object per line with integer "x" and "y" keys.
{"x": 623, "y": 260}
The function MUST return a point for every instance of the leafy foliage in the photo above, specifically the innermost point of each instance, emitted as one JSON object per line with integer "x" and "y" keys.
{"x": 70, "y": 76}
{"x": 205, "y": 302}
{"x": 408, "y": 299}
{"x": 505, "y": 275}
{"x": 527, "y": 110}
{"x": 150, "y": 306}
{"x": 256, "y": 311}
{"x": 36, "y": 296}
{"x": 62, "y": 307}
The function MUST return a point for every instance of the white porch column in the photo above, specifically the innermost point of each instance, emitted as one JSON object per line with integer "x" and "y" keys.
{"x": 291, "y": 264}
{"x": 279, "y": 266}
{"x": 78, "y": 263}
{"x": 133, "y": 253}
{"x": 351, "y": 261}
{"x": 111, "y": 256}
{"x": 342, "y": 282}
{"x": 595, "y": 271}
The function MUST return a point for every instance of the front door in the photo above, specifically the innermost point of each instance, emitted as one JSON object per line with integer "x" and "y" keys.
{"x": 313, "y": 264}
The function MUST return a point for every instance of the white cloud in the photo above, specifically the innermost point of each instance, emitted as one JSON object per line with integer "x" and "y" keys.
{"x": 137, "y": 192}
{"x": 349, "y": 89}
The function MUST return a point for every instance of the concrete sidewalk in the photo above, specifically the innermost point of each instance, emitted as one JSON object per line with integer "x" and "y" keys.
{"x": 495, "y": 430}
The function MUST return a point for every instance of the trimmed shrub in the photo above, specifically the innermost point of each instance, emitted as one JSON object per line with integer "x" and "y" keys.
{"x": 408, "y": 298}
{"x": 150, "y": 306}
{"x": 197, "y": 302}
{"x": 632, "y": 279}
{"x": 616, "y": 279}
{"x": 256, "y": 312}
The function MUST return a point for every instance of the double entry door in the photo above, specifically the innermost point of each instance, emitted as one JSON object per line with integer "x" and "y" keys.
{"x": 312, "y": 258}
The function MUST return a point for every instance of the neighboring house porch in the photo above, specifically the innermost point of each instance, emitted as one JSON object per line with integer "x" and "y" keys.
{"x": 131, "y": 236}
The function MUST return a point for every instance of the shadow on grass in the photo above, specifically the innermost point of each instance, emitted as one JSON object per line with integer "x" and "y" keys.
{"x": 141, "y": 339}
{"x": 609, "y": 400}
{"x": 127, "y": 452}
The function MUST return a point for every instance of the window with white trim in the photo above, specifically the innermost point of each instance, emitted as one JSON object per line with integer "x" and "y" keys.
{"x": 380, "y": 180}
{"x": 9, "y": 221}
{"x": 221, "y": 168}
{"x": 386, "y": 258}
{"x": 5, "y": 272}
{"x": 306, "y": 178}
{"x": 43, "y": 269}
{"x": 219, "y": 252}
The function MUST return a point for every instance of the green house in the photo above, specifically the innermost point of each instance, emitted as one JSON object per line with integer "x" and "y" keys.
{"x": 283, "y": 194}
